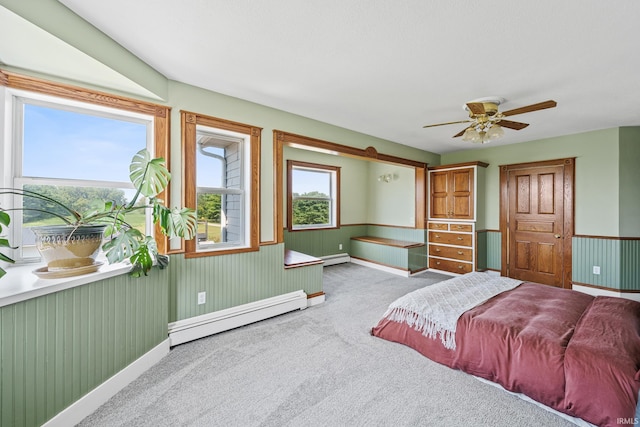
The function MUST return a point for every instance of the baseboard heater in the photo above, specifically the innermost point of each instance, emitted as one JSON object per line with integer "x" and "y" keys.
{"x": 335, "y": 259}
{"x": 212, "y": 323}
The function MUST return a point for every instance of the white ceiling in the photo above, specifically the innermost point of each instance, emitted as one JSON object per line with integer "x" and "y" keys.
{"x": 388, "y": 67}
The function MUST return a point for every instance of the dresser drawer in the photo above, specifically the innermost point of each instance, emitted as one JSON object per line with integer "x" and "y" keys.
{"x": 438, "y": 226}
{"x": 450, "y": 238}
{"x": 463, "y": 254}
{"x": 452, "y": 266}
{"x": 461, "y": 227}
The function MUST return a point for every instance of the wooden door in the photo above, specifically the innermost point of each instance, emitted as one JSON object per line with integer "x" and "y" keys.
{"x": 538, "y": 221}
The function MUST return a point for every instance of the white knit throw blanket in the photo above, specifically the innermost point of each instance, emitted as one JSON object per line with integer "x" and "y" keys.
{"x": 435, "y": 309}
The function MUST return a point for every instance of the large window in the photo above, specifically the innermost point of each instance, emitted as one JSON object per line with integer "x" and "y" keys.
{"x": 72, "y": 149}
{"x": 221, "y": 183}
{"x": 313, "y": 196}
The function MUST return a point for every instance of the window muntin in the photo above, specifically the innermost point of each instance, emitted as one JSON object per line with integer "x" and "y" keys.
{"x": 313, "y": 196}
{"x": 74, "y": 151}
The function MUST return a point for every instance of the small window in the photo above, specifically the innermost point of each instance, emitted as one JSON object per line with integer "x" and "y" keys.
{"x": 221, "y": 183}
{"x": 220, "y": 190}
{"x": 313, "y": 196}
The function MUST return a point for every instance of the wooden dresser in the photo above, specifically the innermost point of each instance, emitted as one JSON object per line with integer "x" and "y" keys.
{"x": 453, "y": 216}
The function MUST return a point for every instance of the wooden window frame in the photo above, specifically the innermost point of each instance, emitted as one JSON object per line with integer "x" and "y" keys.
{"x": 189, "y": 122}
{"x": 282, "y": 139}
{"x": 335, "y": 198}
{"x": 160, "y": 114}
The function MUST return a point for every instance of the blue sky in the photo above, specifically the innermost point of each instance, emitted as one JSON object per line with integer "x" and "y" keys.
{"x": 64, "y": 144}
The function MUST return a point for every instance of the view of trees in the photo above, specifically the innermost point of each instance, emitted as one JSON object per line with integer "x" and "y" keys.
{"x": 311, "y": 208}
{"x": 209, "y": 207}
{"x": 79, "y": 198}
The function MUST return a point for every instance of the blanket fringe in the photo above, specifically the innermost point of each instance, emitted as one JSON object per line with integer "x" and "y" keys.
{"x": 421, "y": 324}
{"x": 434, "y": 310}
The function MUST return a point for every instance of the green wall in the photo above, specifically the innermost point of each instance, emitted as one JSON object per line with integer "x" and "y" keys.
{"x": 607, "y": 200}
{"x": 56, "y": 348}
{"x": 630, "y": 181}
{"x": 393, "y": 202}
{"x": 597, "y": 201}
{"x": 353, "y": 172}
{"x": 232, "y": 280}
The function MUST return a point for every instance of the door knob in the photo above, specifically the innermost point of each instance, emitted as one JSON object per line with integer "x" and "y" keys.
{"x": 557, "y": 236}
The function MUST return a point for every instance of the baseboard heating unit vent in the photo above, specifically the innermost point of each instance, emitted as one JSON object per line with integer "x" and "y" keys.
{"x": 335, "y": 259}
{"x": 211, "y": 323}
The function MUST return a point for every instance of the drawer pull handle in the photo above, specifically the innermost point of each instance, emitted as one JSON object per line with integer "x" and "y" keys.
{"x": 437, "y": 249}
{"x": 460, "y": 252}
{"x": 437, "y": 262}
{"x": 460, "y": 267}
{"x": 459, "y": 227}
{"x": 437, "y": 236}
{"x": 459, "y": 238}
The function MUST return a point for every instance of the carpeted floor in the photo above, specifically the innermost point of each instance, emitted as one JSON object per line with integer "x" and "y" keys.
{"x": 316, "y": 367}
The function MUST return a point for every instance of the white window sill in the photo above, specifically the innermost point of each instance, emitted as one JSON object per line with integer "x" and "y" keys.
{"x": 20, "y": 284}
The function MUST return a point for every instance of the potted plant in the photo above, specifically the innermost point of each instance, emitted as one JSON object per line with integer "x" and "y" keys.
{"x": 75, "y": 244}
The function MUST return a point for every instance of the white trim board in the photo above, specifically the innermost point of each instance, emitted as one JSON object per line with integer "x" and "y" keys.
{"x": 391, "y": 270}
{"x": 212, "y": 323}
{"x": 91, "y": 401}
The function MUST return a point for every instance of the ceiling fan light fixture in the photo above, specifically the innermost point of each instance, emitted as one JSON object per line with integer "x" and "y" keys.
{"x": 495, "y": 132}
{"x": 481, "y": 138}
{"x": 471, "y": 134}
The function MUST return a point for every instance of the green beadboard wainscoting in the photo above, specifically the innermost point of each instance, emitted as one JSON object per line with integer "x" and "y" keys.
{"x": 617, "y": 258}
{"x": 494, "y": 250}
{"x": 481, "y": 250}
{"x": 321, "y": 243}
{"x": 56, "y": 348}
{"x": 236, "y": 279}
{"x": 327, "y": 242}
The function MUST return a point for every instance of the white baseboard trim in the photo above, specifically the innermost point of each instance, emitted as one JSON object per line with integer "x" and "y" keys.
{"x": 335, "y": 259}
{"x": 86, "y": 405}
{"x": 212, "y": 323}
{"x": 635, "y": 296}
{"x": 392, "y": 270}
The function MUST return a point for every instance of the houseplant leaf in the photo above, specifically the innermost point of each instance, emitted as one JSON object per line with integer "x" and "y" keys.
{"x": 176, "y": 222}
{"x": 123, "y": 245}
{"x": 149, "y": 176}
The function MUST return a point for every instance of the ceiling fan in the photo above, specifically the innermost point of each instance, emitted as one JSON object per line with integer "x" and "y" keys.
{"x": 486, "y": 122}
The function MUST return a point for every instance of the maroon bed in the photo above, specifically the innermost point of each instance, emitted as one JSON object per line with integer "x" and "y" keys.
{"x": 573, "y": 352}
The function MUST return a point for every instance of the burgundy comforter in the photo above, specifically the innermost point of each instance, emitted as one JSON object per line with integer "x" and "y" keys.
{"x": 573, "y": 352}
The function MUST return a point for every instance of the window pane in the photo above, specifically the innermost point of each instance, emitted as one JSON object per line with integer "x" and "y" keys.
{"x": 99, "y": 148}
{"x": 210, "y": 216}
{"x": 311, "y": 212}
{"x": 219, "y": 219}
{"x": 211, "y": 165}
{"x": 309, "y": 183}
{"x": 81, "y": 199}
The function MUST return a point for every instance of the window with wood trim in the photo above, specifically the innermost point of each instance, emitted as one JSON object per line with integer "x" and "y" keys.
{"x": 221, "y": 180}
{"x": 313, "y": 196}
{"x": 75, "y": 145}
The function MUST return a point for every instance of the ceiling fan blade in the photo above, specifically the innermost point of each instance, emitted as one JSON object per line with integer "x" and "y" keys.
{"x": 476, "y": 108}
{"x": 447, "y": 123}
{"x": 460, "y": 133}
{"x": 530, "y": 108}
{"x": 512, "y": 125}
